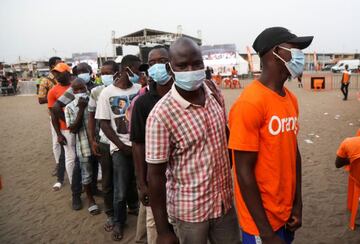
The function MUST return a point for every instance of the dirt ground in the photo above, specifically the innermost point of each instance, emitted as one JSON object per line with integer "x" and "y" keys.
{"x": 32, "y": 213}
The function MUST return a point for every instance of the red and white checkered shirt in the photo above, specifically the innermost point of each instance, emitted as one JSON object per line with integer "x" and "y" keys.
{"x": 192, "y": 140}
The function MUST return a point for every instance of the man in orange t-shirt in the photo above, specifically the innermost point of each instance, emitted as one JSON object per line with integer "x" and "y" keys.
{"x": 348, "y": 152}
{"x": 263, "y": 129}
{"x": 345, "y": 82}
{"x": 65, "y": 138}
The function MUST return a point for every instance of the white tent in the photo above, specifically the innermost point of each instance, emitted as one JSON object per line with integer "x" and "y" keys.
{"x": 224, "y": 64}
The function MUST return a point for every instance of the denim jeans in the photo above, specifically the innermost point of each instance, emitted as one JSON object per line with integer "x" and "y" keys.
{"x": 95, "y": 170}
{"x": 61, "y": 166}
{"x": 107, "y": 178}
{"x": 76, "y": 186}
{"x": 125, "y": 191}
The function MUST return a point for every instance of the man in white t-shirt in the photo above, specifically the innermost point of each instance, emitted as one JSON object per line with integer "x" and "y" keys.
{"x": 112, "y": 111}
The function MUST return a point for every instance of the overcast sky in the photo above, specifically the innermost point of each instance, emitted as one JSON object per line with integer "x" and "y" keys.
{"x": 37, "y": 29}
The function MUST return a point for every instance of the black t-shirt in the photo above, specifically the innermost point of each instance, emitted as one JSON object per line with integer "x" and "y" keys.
{"x": 142, "y": 108}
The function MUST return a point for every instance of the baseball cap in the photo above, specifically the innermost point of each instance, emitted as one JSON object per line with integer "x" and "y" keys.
{"x": 273, "y": 36}
{"x": 62, "y": 67}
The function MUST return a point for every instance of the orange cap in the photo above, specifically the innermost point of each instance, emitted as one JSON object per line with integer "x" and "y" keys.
{"x": 62, "y": 67}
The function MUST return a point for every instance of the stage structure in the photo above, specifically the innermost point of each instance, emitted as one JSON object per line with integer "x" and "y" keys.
{"x": 145, "y": 39}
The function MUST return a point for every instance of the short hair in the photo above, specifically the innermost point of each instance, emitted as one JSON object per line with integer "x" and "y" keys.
{"x": 74, "y": 70}
{"x": 129, "y": 60}
{"x": 52, "y": 61}
{"x": 113, "y": 64}
{"x": 160, "y": 47}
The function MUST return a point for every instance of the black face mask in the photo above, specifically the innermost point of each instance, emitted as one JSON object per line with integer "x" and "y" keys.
{"x": 63, "y": 78}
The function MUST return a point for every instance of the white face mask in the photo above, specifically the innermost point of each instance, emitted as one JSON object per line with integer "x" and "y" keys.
{"x": 297, "y": 62}
{"x": 189, "y": 80}
{"x": 85, "y": 76}
{"x": 79, "y": 95}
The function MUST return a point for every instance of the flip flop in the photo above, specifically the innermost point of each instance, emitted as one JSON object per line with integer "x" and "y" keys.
{"x": 109, "y": 224}
{"x": 117, "y": 234}
{"x": 57, "y": 186}
{"x": 94, "y": 209}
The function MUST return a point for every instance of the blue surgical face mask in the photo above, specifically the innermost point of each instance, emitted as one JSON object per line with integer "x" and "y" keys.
{"x": 107, "y": 79}
{"x": 189, "y": 80}
{"x": 85, "y": 76}
{"x": 297, "y": 62}
{"x": 159, "y": 74}
{"x": 133, "y": 79}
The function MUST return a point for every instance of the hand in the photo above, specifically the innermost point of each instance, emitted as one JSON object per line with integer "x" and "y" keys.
{"x": 126, "y": 150}
{"x": 144, "y": 194}
{"x": 83, "y": 102}
{"x": 295, "y": 220}
{"x": 95, "y": 148}
{"x": 272, "y": 239}
{"x": 61, "y": 139}
{"x": 168, "y": 238}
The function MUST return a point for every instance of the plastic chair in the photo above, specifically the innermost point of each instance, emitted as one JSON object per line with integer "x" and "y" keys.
{"x": 235, "y": 83}
{"x": 353, "y": 191}
{"x": 318, "y": 84}
{"x": 227, "y": 82}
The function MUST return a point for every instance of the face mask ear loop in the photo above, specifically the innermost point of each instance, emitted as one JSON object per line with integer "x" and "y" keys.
{"x": 277, "y": 55}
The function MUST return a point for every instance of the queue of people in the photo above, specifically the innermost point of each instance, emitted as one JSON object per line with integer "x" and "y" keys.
{"x": 166, "y": 150}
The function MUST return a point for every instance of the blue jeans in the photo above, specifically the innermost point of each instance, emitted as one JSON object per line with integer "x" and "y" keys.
{"x": 76, "y": 186}
{"x": 124, "y": 186}
{"x": 283, "y": 233}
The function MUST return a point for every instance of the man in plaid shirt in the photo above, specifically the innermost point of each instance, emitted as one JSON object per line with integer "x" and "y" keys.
{"x": 188, "y": 163}
{"x": 76, "y": 116}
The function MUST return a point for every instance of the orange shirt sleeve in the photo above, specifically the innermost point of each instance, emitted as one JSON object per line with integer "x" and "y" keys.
{"x": 342, "y": 150}
{"x": 245, "y": 122}
{"x": 51, "y": 97}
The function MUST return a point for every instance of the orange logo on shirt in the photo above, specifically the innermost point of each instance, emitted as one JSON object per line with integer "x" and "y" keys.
{"x": 277, "y": 125}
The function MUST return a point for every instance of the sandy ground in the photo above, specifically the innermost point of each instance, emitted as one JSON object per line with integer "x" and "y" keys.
{"x": 31, "y": 213}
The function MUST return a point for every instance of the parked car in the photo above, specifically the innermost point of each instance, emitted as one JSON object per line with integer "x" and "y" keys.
{"x": 340, "y": 66}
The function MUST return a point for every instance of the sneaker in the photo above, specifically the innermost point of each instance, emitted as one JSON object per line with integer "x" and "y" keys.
{"x": 76, "y": 203}
{"x": 57, "y": 186}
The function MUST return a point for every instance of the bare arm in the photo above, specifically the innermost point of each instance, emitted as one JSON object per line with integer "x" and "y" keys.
{"x": 75, "y": 127}
{"x": 42, "y": 100}
{"x": 245, "y": 163}
{"x": 105, "y": 125}
{"x": 92, "y": 133}
{"x": 157, "y": 190}
{"x": 56, "y": 125}
{"x": 138, "y": 150}
{"x": 340, "y": 162}
{"x": 295, "y": 220}
{"x": 57, "y": 109}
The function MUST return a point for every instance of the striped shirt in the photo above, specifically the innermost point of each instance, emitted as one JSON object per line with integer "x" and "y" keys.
{"x": 192, "y": 140}
{"x": 82, "y": 142}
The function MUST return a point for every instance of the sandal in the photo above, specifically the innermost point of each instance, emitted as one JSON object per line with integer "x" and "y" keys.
{"x": 118, "y": 233}
{"x": 94, "y": 209}
{"x": 109, "y": 224}
{"x": 57, "y": 186}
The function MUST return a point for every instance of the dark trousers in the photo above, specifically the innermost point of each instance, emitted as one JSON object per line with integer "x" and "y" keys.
{"x": 125, "y": 192}
{"x": 95, "y": 170}
{"x": 345, "y": 90}
{"x": 61, "y": 167}
{"x": 76, "y": 186}
{"x": 107, "y": 178}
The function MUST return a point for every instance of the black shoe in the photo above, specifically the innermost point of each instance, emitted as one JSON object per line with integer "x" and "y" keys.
{"x": 55, "y": 171}
{"x": 76, "y": 203}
